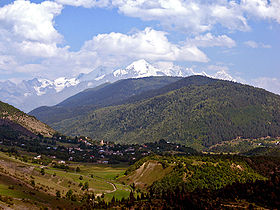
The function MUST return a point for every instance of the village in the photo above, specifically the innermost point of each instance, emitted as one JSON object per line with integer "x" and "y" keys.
{"x": 61, "y": 149}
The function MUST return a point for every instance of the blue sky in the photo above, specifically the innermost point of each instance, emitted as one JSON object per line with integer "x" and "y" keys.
{"x": 50, "y": 39}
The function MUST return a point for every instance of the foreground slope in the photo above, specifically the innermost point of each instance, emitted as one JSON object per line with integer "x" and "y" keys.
{"x": 205, "y": 182}
{"x": 195, "y": 111}
{"x": 14, "y": 121}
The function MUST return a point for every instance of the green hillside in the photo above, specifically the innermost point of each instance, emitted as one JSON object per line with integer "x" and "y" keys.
{"x": 98, "y": 97}
{"x": 165, "y": 173}
{"x": 204, "y": 182}
{"x": 14, "y": 122}
{"x": 195, "y": 111}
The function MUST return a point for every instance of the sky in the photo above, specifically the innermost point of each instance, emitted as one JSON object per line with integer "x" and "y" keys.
{"x": 50, "y": 39}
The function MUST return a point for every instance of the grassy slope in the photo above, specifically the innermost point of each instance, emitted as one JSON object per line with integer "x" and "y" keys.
{"x": 10, "y": 113}
{"x": 147, "y": 174}
{"x": 101, "y": 179}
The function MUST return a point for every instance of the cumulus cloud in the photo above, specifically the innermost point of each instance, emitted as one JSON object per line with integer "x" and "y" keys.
{"x": 254, "y": 44}
{"x": 27, "y": 32}
{"x": 27, "y": 29}
{"x": 117, "y": 49}
{"x": 194, "y": 16}
{"x": 187, "y": 15}
{"x": 29, "y": 41}
{"x": 208, "y": 40}
{"x": 30, "y": 21}
{"x": 263, "y": 9}
{"x": 148, "y": 44}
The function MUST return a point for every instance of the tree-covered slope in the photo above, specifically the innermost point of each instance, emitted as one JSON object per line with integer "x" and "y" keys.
{"x": 166, "y": 173}
{"x": 101, "y": 96}
{"x": 200, "y": 113}
{"x": 205, "y": 182}
{"x": 14, "y": 122}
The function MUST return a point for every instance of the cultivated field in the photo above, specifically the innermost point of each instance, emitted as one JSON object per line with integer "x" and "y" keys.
{"x": 29, "y": 184}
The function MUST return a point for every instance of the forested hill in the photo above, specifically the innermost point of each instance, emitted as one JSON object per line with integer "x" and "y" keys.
{"x": 104, "y": 95}
{"x": 14, "y": 122}
{"x": 195, "y": 111}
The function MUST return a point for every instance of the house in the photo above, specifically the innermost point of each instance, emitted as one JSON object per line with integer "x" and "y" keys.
{"x": 38, "y": 157}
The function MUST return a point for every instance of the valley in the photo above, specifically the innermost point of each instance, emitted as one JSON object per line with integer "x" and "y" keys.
{"x": 139, "y": 104}
{"x": 138, "y": 143}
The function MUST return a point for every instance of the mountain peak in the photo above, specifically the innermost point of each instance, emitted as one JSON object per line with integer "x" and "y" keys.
{"x": 139, "y": 68}
{"x": 139, "y": 63}
{"x": 224, "y": 76}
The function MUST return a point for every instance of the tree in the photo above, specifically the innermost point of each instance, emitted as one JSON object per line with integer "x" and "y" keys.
{"x": 42, "y": 171}
{"x": 33, "y": 183}
{"x": 69, "y": 194}
{"x": 131, "y": 197}
{"x": 58, "y": 195}
{"x": 85, "y": 187}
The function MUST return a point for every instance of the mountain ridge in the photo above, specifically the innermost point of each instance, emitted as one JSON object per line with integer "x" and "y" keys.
{"x": 30, "y": 94}
{"x": 101, "y": 96}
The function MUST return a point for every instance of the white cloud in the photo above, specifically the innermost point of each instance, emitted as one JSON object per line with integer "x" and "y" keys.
{"x": 41, "y": 50}
{"x": 186, "y": 15}
{"x": 148, "y": 44}
{"x": 268, "y": 83}
{"x": 193, "y": 16}
{"x": 84, "y": 3}
{"x": 27, "y": 32}
{"x": 208, "y": 40}
{"x": 29, "y": 40}
{"x": 254, "y": 44}
{"x": 27, "y": 29}
{"x": 117, "y": 50}
{"x": 29, "y": 21}
{"x": 263, "y": 9}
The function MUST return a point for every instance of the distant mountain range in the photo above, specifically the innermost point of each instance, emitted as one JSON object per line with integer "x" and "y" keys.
{"x": 30, "y": 94}
{"x": 196, "y": 111}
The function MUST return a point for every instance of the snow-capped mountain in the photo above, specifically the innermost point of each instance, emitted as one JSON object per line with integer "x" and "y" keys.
{"x": 30, "y": 94}
{"x": 224, "y": 76}
{"x": 137, "y": 69}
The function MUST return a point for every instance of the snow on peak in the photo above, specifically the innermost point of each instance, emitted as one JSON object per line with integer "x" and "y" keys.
{"x": 142, "y": 68}
{"x": 44, "y": 85}
{"x": 224, "y": 76}
{"x": 137, "y": 69}
{"x": 99, "y": 78}
{"x": 120, "y": 72}
{"x": 45, "y": 82}
{"x": 61, "y": 82}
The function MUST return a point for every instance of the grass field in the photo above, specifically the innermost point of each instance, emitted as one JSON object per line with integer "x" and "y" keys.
{"x": 27, "y": 181}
